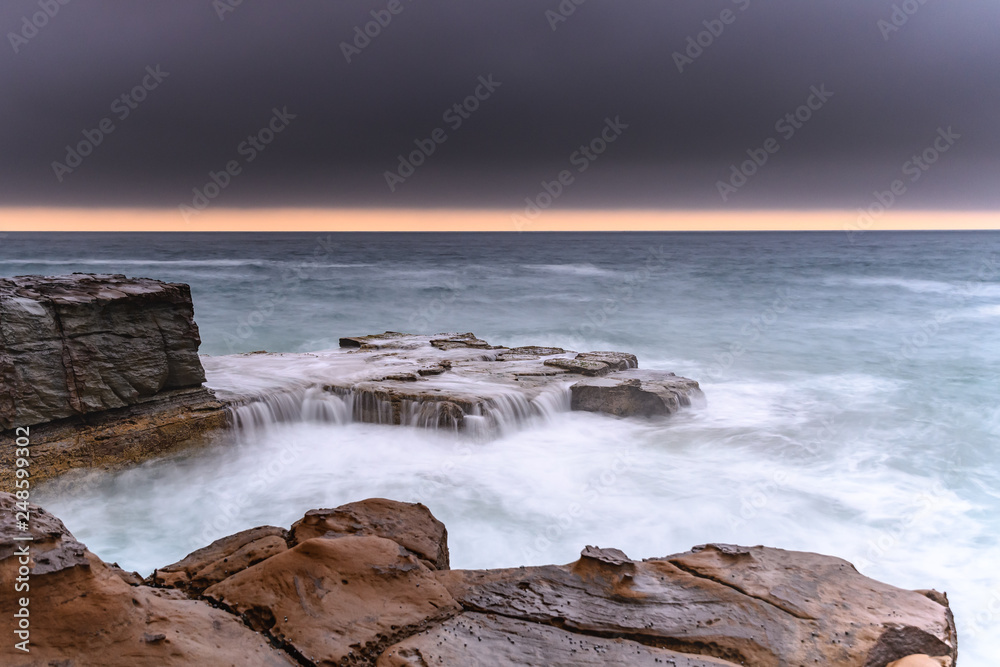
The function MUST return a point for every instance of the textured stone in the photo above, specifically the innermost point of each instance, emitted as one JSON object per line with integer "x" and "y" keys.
{"x": 337, "y": 599}
{"x": 753, "y": 606}
{"x": 344, "y": 595}
{"x": 485, "y": 640}
{"x": 80, "y": 344}
{"x": 83, "y": 613}
{"x": 411, "y": 525}
{"x": 222, "y": 558}
{"x": 635, "y": 393}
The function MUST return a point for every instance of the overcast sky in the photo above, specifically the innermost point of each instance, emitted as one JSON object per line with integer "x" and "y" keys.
{"x": 896, "y": 89}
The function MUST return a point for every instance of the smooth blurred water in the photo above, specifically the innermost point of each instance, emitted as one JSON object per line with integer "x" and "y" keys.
{"x": 852, "y": 389}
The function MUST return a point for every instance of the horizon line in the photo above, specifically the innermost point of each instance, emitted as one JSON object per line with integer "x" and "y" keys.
{"x": 315, "y": 219}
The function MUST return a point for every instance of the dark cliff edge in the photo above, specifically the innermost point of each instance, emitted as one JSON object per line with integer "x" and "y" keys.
{"x": 100, "y": 368}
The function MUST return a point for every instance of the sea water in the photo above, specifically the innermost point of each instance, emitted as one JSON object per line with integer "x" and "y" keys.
{"x": 852, "y": 387}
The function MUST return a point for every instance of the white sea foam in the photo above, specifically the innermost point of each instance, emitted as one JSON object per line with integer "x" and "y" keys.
{"x": 853, "y": 424}
{"x": 570, "y": 269}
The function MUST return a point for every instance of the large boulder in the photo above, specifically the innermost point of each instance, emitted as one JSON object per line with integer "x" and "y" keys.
{"x": 221, "y": 559}
{"x": 103, "y": 369}
{"x": 334, "y": 599}
{"x": 81, "y": 612}
{"x": 635, "y": 393}
{"x": 411, "y": 525}
{"x": 80, "y": 344}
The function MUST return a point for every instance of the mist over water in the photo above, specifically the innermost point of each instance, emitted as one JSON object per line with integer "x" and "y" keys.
{"x": 851, "y": 383}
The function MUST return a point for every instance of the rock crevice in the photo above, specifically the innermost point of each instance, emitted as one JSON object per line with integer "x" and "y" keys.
{"x": 368, "y": 584}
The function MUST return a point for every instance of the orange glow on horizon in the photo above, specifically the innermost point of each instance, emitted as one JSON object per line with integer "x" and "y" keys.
{"x": 412, "y": 220}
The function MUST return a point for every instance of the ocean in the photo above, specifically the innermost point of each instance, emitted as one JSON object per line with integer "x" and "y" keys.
{"x": 852, "y": 386}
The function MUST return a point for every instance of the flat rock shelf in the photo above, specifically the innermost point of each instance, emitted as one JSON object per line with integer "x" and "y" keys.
{"x": 104, "y": 370}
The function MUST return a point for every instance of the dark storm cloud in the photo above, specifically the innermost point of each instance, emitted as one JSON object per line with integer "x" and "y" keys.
{"x": 892, "y": 91}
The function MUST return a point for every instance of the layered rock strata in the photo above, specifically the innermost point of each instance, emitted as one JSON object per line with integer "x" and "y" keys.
{"x": 104, "y": 371}
{"x": 369, "y": 584}
{"x": 455, "y": 381}
{"x": 101, "y": 370}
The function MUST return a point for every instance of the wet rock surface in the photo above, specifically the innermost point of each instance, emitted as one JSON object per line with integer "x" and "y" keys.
{"x": 349, "y": 586}
{"x": 86, "y": 343}
{"x": 105, "y": 372}
{"x": 411, "y": 525}
{"x": 82, "y": 612}
{"x": 456, "y": 381}
{"x": 102, "y": 369}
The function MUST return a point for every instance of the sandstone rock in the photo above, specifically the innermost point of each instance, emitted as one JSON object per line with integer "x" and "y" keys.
{"x": 457, "y": 341}
{"x": 486, "y": 640}
{"x": 222, "y": 558}
{"x": 537, "y": 351}
{"x": 338, "y": 599}
{"x": 170, "y": 421}
{"x": 80, "y": 344}
{"x": 83, "y": 613}
{"x": 345, "y": 595}
{"x": 441, "y": 380}
{"x": 411, "y": 525}
{"x": 634, "y": 392}
{"x": 753, "y": 606}
{"x": 373, "y": 341}
{"x": 921, "y": 661}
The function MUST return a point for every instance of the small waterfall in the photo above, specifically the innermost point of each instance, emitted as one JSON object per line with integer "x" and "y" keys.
{"x": 510, "y": 411}
{"x": 480, "y": 418}
{"x": 309, "y": 404}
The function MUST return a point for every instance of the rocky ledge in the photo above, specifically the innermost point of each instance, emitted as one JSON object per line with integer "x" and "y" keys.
{"x": 451, "y": 381}
{"x": 369, "y": 583}
{"x": 103, "y": 370}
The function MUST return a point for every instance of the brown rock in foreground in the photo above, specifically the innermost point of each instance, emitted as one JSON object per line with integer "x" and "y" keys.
{"x": 338, "y": 599}
{"x": 221, "y": 559}
{"x": 487, "y": 640}
{"x": 411, "y": 525}
{"x": 82, "y": 613}
{"x": 350, "y": 586}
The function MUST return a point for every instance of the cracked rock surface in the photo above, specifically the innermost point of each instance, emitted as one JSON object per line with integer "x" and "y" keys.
{"x": 86, "y": 343}
{"x": 368, "y": 584}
